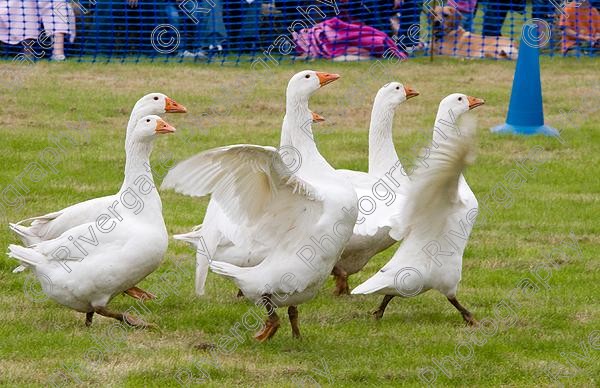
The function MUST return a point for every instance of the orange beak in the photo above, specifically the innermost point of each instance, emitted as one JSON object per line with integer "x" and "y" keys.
{"x": 474, "y": 102}
{"x": 410, "y": 92}
{"x": 317, "y": 118}
{"x": 326, "y": 78}
{"x": 172, "y": 106}
{"x": 163, "y": 127}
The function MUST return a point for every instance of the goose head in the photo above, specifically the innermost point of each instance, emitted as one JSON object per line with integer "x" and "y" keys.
{"x": 158, "y": 103}
{"x": 459, "y": 103}
{"x": 148, "y": 127}
{"x": 394, "y": 94}
{"x": 303, "y": 84}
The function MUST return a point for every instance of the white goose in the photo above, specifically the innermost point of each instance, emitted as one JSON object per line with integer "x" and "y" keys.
{"x": 302, "y": 218}
{"x": 438, "y": 215}
{"x": 214, "y": 239}
{"x": 381, "y": 189}
{"x": 87, "y": 265}
{"x": 52, "y": 225}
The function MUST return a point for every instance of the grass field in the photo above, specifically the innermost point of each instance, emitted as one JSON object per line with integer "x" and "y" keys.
{"x": 536, "y": 330}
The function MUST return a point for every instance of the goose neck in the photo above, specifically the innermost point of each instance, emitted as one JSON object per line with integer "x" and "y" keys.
{"x": 137, "y": 163}
{"x": 136, "y": 115}
{"x": 296, "y": 130}
{"x": 382, "y": 154}
{"x": 445, "y": 129}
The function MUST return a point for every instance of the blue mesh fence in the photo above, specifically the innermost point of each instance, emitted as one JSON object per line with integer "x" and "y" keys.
{"x": 263, "y": 31}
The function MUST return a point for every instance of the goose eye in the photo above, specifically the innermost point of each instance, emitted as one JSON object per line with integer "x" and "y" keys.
{"x": 155, "y": 98}
{"x": 307, "y": 76}
{"x": 459, "y": 98}
{"x": 147, "y": 120}
{"x": 397, "y": 87}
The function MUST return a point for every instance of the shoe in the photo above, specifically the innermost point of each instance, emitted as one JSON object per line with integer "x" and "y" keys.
{"x": 186, "y": 54}
{"x": 215, "y": 50}
{"x": 58, "y": 58}
{"x": 193, "y": 54}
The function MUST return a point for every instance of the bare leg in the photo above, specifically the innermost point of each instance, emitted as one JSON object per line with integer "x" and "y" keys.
{"x": 341, "y": 281}
{"x": 138, "y": 293}
{"x": 88, "y": 318}
{"x": 467, "y": 316}
{"x": 58, "y": 48}
{"x": 272, "y": 322}
{"x": 293, "y": 315}
{"x": 379, "y": 312}
{"x": 123, "y": 317}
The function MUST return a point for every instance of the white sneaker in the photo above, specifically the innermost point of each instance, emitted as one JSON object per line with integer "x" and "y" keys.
{"x": 193, "y": 54}
{"x": 58, "y": 58}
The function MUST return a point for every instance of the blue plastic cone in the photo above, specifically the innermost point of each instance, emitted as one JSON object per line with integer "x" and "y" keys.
{"x": 526, "y": 112}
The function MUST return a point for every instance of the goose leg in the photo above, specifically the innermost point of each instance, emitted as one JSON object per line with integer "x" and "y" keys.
{"x": 138, "y": 293}
{"x": 88, "y": 318}
{"x": 378, "y": 314}
{"x": 240, "y": 294}
{"x": 466, "y": 314}
{"x": 341, "y": 281}
{"x": 293, "y": 315}
{"x": 272, "y": 322}
{"x": 123, "y": 317}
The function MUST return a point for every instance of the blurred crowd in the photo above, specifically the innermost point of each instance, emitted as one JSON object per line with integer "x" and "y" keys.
{"x": 201, "y": 28}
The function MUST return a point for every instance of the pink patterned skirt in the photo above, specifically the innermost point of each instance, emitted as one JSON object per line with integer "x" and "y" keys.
{"x": 21, "y": 19}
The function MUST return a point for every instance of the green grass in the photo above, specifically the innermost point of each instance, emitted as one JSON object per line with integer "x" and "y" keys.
{"x": 44, "y": 343}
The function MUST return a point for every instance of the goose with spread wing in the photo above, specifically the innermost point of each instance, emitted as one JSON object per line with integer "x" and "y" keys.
{"x": 438, "y": 215}
{"x": 88, "y": 264}
{"x": 380, "y": 191}
{"x": 219, "y": 231}
{"x": 299, "y": 213}
{"x": 52, "y": 225}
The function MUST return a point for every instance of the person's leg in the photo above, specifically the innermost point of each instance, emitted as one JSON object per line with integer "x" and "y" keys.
{"x": 107, "y": 19}
{"x": 290, "y": 13}
{"x": 410, "y": 14}
{"x": 467, "y": 21}
{"x": 57, "y": 20}
{"x": 493, "y": 19}
{"x": 386, "y": 11}
{"x": 355, "y": 11}
{"x": 543, "y": 11}
{"x": 132, "y": 25}
{"x": 174, "y": 19}
{"x": 87, "y": 37}
{"x": 58, "y": 48}
{"x": 232, "y": 18}
{"x": 250, "y": 37}
{"x": 376, "y": 13}
{"x": 219, "y": 31}
{"x": 151, "y": 14}
{"x": 212, "y": 31}
{"x": 489, "y": 19}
